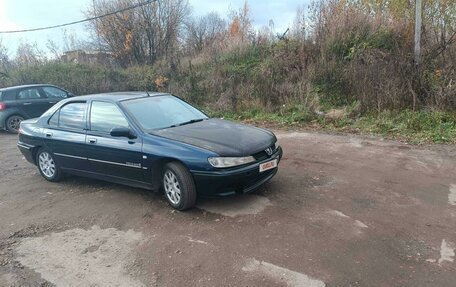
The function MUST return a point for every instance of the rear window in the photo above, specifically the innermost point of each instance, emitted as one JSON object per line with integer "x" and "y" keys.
{"x": 29, "y": 94}
{"x": 0, "y": 95}
{"x": 71, "y": 116}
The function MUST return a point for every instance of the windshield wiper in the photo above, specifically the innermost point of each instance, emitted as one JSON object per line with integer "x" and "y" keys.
{"x": 187, "y": 122}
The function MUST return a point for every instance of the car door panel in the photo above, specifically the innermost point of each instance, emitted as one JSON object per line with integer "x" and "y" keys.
{"x": 66, "y": 136}
{"x": 112, "y": 156}
{"x": 53, "y": 95}
{"x": 32, "y": 102}
{"x": 69, "y": 148}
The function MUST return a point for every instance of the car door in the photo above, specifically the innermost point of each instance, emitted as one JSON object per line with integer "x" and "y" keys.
{"x": 65, "y": 136}
{"x": 118, "y": 157}
{"x": 53, "y": 95}
{"x": 31, "y": 101}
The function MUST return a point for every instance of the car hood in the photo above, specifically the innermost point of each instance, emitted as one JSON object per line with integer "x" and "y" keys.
{"x": 222, "y": 137}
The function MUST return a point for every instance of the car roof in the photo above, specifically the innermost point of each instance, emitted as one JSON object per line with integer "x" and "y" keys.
{"x": 120, "y": 96}
{"x": 26, "y": 86}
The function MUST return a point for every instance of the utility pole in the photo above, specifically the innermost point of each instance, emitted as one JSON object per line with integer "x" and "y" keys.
{"x": 418, "y": 14}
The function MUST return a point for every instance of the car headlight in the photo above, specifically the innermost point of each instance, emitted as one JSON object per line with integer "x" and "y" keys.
{"x": 276, "y": 146}
{"x": 221, "y": 162}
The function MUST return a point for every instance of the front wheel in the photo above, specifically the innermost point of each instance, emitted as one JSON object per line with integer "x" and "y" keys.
{"x": 13, "y": 124}
{"x": 47, "y": 166}
{"x": 179, "y": 187}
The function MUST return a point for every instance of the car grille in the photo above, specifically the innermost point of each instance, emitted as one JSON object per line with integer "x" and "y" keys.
{"x": 262, "y": 155}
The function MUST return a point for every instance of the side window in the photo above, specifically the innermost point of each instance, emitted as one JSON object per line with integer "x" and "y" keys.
{"x": 52, "y": 92}
{"x": 28, "y": 94}
{"x": 54, "y": 120}
{"x": 72, "y": 116}
{"x": 106, "y": 116}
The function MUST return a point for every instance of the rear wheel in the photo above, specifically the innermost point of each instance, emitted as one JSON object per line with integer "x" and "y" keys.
{"x": 47, "y": 166}
{"x": 179, "y": 187}
{"x": 13, "y": 123}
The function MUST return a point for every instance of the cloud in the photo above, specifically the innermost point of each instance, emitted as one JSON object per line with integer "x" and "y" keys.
{"x": 5, "y": 23}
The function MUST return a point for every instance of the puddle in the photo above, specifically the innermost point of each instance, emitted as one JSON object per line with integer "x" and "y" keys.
{"x": 452, "y": 195}
{"x": 236, "y": 205}
{"x": 356, "y": 143}
{"x": 291, "y": 278}
{"x": 294, "y": 135}
{"x": 338, "y": 213}
{"x": 78, "y": 257}
{"x": 446, "y": 252}
{"x": 360, "y": 224}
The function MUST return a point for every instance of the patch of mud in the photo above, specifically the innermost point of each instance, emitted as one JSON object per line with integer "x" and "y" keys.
{"x": 280, "y": 274}
{"x": 78, "y": 257}
{"x": 236, "y": 205}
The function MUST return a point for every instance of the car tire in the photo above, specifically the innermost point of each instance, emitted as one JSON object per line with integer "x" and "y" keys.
{"x": 13, "y": 123}
{"x": 178, "y": 186}
{"x": 47, "y": 166}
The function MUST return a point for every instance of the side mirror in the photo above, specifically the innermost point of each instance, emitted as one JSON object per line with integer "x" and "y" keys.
{"x": 123, "y": 132}
{"x": 70, "y": 95}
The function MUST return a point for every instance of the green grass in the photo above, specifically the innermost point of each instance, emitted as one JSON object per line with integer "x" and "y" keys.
{"x": 417, "y": 127}
{"x": 414, "y": 127}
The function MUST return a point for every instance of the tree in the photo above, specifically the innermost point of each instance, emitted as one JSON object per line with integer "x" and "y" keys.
{"x": 29, "y": 54}
{"x": 4, "y": 63}
{"x": 204, "y": 31}
{"x": 298, "y": 30}
{"x": 241, "y": 24}
{"x": 140, "y": 35}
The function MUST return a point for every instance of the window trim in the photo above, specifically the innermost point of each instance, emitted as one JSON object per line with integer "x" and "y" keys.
{"x": 89, "y": 118}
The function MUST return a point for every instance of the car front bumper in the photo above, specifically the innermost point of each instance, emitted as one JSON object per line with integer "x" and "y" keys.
{"x": 244, "y": 179}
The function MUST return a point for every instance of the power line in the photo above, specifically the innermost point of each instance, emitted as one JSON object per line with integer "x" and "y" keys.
{"x": 80, "y": 21}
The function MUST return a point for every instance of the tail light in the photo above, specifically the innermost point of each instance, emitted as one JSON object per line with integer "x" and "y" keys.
{"x": 2, "y": 106}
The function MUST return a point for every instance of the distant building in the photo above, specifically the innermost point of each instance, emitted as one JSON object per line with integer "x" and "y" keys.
{"x": 87, "y": 57}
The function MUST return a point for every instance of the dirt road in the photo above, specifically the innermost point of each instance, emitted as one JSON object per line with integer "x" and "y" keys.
{"x": 342, "y": 211}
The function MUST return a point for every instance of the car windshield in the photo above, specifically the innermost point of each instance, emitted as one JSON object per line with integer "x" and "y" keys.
{"x": 161, "y": 112}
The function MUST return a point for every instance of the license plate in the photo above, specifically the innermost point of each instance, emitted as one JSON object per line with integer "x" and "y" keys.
{"x": 268, "y": 165}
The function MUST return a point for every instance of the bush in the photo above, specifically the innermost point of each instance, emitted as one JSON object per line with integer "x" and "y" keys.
{"x": 84, "y": 79}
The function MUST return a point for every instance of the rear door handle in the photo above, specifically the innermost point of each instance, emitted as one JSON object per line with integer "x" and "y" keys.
{"x": 26, "y": 104}
{"x": 93, "y": 141}
{"x": 52, "y": 102}
{"x": 49, "y": 135}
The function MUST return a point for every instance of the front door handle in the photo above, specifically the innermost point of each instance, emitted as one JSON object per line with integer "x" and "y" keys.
{"x": 26, "y": 104}
{"x": 49, "y": 135}
{"x": 93, "y": 141}
{"x": 52, "y": 102}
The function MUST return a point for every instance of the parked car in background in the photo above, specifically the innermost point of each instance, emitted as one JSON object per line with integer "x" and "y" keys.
{"x": 25, "y": 102}
{"x": 150, "y": 140}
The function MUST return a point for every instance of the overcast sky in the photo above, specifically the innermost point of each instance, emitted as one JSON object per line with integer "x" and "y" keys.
{"x": 26, "y": 14}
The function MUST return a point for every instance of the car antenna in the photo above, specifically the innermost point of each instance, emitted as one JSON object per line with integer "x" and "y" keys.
{"x": 147, "y": 93}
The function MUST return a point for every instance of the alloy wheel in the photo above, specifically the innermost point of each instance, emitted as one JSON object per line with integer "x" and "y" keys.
{"x": 172, "y": 187}
{"x": 46, "y": 164}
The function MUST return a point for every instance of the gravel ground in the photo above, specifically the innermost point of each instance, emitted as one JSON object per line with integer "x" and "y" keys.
{"x": 342, "y": 211}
